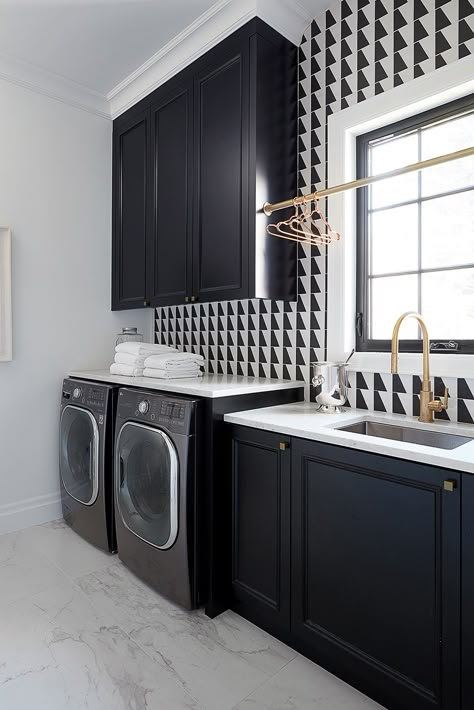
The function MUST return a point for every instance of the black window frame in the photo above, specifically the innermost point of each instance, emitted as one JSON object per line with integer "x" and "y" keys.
{"x": 363, "y": 342}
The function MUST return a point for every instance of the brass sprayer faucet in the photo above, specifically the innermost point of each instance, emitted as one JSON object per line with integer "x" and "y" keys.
{"x": 428, "y": 405}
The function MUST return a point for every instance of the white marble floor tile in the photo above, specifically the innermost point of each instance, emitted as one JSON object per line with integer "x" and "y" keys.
{"x": 302, "y": 685}
{"x": 217, "y": 661}
{"x": 23, "y": 570}
{"x": 57, "y": 653}
{"x": 106, "y": 641}
{"x": 67, "y": 550}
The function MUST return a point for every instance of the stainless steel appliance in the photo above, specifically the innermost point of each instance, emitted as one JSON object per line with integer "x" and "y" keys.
{"x": 331, "y": 382}
{"x": 157, "y": 491}
{"x": 86, "y": 439}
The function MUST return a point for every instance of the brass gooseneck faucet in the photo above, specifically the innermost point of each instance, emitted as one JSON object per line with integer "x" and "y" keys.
{"x": 428, "y": 405}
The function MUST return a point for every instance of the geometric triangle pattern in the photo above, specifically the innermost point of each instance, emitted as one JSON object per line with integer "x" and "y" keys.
{"x": 356, "y": 49}
{"x": 394, "y": 394}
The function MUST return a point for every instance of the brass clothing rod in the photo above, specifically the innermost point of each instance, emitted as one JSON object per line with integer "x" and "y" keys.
{"x": 362, "y": 182}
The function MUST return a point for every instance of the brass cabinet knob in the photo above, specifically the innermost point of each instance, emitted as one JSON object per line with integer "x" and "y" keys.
{"x": 193, "y": 299}
{"x": 146, "y": 303}
{"x": 284, "y": 445}
{"x": 186, "y": 299}
{"x": 449, "y": 485}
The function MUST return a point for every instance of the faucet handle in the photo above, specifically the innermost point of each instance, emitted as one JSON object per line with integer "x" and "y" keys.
{"x": 439, "y": 405}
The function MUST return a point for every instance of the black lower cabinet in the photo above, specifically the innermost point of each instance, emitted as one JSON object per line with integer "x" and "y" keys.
{"x": 374, "y": 569}
{"x": 261, "y": 528}
{"x": 467, "y": 594}
{"x": 376, "y": 573}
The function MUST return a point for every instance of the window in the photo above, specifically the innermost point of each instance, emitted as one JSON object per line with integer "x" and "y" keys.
{"x": 415, "y": 233}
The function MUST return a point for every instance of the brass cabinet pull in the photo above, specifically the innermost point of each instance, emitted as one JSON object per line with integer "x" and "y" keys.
{"x": 284, "y": 445}
{"x": 450, "y": 485}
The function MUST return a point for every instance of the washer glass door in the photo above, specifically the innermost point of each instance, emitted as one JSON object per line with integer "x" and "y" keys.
{"x": 147, "y": 484}
{"x": 79, "y": 454}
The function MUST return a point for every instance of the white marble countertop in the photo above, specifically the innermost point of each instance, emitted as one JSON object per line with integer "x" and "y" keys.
{"x": 210, "y": 386}
{"x": 303, "y": 420}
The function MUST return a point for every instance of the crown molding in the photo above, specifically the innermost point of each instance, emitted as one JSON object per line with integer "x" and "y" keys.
{"x": 288, "y": 17}
{"x": 29, "y": 76}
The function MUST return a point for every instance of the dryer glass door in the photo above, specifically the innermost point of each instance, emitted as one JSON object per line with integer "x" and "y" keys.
{"x": 79, "y": 454}
{"x": 147, "y": 484}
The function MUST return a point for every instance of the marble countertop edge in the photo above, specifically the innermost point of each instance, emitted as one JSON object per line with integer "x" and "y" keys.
{"x": 303, "y": 421}
{"x": 208, "y": 386}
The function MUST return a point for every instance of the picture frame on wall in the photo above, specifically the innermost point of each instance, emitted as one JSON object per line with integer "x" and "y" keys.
{"x": 6, "y": 341}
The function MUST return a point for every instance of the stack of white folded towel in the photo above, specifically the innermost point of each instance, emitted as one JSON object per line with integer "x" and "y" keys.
{"x": 133, "y": 359}
{"x": 168, "y": 366}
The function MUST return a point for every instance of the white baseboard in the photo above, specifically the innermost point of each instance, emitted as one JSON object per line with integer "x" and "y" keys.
{"x": 29, "y": 512}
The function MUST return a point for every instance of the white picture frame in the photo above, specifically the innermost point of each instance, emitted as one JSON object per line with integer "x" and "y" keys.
{"x": 6, "y": 340}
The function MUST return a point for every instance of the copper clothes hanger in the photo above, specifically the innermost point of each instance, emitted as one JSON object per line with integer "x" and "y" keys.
{"x": 305, "y": 227}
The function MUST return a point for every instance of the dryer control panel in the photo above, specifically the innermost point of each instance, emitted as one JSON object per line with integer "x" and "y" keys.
{"x": 173, "y": 413}
{"x": 91, "y": 395}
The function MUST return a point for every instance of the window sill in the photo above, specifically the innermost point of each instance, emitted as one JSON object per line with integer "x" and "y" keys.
{"x": 441, "y": 364}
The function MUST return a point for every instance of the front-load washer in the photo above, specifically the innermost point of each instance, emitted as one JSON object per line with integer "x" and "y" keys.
{"x": 157, "y": 492}
{"x": 86, "y": 444}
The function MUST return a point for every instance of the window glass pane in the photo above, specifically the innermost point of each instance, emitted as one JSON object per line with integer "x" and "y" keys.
{"x": 388, "y": 156}
{"x": 394, "y": 240}
{"x": 390, "y": 297}
{"x": 448, "y": 231}
{"x": 448, "y": 304}
{"x": 447, "y": 137}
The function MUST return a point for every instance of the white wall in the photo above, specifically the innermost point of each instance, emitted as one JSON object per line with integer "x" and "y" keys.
{"x": 55, "y": 194}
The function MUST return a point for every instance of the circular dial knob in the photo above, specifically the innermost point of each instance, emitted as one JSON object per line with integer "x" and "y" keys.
{"x": 77, "y": 392}
{"x": 143, "y": 407}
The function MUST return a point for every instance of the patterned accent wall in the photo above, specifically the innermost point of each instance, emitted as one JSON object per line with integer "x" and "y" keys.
{"x": 355, "y": 50}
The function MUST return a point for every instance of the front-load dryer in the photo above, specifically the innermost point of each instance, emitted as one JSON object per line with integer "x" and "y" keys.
{"x": 157, "y": 492}
{"x": 86, "y": 442}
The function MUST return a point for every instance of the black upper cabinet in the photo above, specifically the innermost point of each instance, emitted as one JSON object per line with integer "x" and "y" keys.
{"x": 221, "y": 175}
{"x": 170, "y": 249}
{"x": 212, "y": 145}
{"x": 131, "y": 145}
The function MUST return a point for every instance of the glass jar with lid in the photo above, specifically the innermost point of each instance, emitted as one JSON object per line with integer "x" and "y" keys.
{"x": 129, "y": 334}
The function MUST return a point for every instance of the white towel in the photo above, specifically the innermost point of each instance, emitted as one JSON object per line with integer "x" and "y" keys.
{"x": 126, "y": 370}
{"x": 168, "y": 375}
{"x": 174, "y": 361}
{"x": 127, "y": 359}
{"x": 143, "y": 349}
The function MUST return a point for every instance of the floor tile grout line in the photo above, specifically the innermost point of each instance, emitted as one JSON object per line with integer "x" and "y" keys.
{"x": 266, "y": 680}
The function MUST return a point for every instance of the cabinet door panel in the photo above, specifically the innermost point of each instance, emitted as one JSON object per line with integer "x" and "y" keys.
{"x": 221, "y": 211}
{"x": 369, "y": 548}
{"x": 467, "y": 591}
{"x": 170, "y": 267}
{"x": 131, "y": 167}
{"x": 261, "y": 534}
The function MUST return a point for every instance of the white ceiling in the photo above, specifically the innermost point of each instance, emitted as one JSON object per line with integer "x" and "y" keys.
{"x": 104, "y": 55}
{"x": 95, "y": 43}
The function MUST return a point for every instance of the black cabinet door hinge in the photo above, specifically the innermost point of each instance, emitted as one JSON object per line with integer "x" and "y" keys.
{"x": 359, "y": 324}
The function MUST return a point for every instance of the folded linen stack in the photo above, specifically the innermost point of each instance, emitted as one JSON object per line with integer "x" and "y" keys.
{"x": 171, "y": 365}
{"x": 130, "y": 357}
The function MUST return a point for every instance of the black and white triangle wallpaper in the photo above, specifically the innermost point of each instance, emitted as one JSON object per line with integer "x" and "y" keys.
{"x": 355, "y": 50}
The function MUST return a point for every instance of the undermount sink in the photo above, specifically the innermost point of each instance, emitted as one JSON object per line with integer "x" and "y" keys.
{"x": 437, "y": 439}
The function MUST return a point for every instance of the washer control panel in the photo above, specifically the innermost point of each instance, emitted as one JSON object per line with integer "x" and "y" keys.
{"x": 173, "y": 413}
